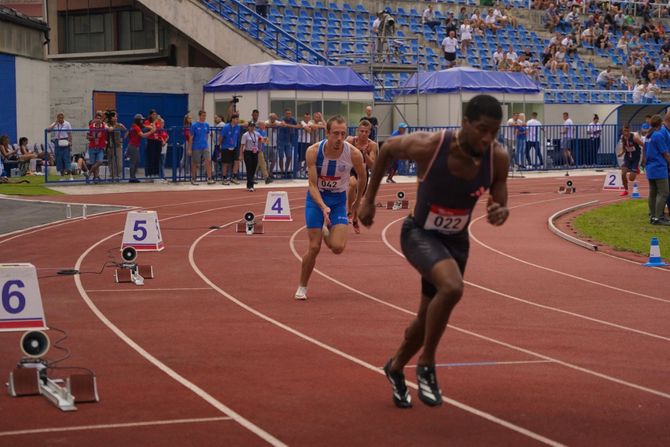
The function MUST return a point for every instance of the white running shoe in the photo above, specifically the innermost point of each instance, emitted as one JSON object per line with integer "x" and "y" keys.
{"x": 301, "y": 293}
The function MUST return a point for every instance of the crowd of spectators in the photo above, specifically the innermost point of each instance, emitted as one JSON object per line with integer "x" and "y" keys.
{"x": 276, "y": 147}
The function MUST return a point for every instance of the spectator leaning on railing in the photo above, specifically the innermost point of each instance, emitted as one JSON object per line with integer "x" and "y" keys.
{"x": 61, "y": 135}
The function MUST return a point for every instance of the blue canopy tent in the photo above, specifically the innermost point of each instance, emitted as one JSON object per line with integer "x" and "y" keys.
{"x": 470, "y": 80}
{"x": 285, "y": 75}
{"x": 441, "y": 95}
{"x": 278, "y": 85}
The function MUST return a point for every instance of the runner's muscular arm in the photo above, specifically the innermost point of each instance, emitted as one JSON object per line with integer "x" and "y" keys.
{"x": 359, "y": 166}
{"x": 417, "y": 146}
{"x": 496, "y": 207}
{"x": 312, "y": 177}
{"x": 372, "y": 155}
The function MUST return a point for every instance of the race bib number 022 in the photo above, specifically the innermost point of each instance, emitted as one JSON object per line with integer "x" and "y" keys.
{"x": 447, "y": 220}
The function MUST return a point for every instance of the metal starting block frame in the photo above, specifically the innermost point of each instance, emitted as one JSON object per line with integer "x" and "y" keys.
{"x": 568, "y": 188}
{"x": 134, "y": 273}
{"x": 249, "y": 225}
{"x": 30, "y": 378}
{"x": 397, "y": 205}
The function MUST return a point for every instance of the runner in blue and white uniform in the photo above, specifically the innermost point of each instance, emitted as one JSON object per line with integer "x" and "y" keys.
{"x": 329, "y": 163}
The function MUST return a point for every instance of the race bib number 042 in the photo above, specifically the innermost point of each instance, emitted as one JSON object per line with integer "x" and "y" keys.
{"x": 328, "y": 183}
{"x": 447, "y": 220}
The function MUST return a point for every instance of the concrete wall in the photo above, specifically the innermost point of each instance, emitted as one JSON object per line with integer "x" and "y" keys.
{"x": 32, "y": 99}
{"x": 579, "y": 113}
{"x": 72, "y": 85}
{"x": 209, "y": 30}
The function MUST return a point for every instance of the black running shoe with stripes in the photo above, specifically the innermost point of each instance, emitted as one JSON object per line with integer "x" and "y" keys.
{"x": 429, "y": 390}
{"x": 401, "y": 397}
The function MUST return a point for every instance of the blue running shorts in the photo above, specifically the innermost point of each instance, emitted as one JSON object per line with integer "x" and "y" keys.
{"x": 336, "y": 201}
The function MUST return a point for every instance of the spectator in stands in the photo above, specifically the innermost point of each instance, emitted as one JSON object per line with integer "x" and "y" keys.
{"x": 318, "y": 127}
{"x": 648, "y": 70}
{"x": 154, "y": 145}
{"x": 663, "y": 69}
{"x": 534, "y": 127}
{"x": 249, "y": 149}
{"x": 97, "y": 144}
{"x": 656, "y": 158}
{"x": 568, "y": 43}
{"x": 605, "y": 79}
{"x": 449, "y": 45}
{"x": 490, "y": 22}
{"x": 665, "y": 48}
{"x": 286, "y": 141}
{"x": 476, "y": 20}
{"x": 272, "y": 126}
{"x": 511, "y": 55}
{"x": 450, "y": 24}
{"x": 135, "y": 135}
{"x": 602, "y": 41}
{"x": 559, "y": 59}
{"x": 230, "y": 136}
{"x": 498, "y": 56}
{"x": 304, "y": 141}
{"x": 631, "y": 150}
{"x": 262, "y": 8}
{"x": 528, "y": 53}
{"x": 594, "y": 131}
{"x": 466, "y": 36}
{"x": 25, "y": 157}
{"x": 521, "y": 138}
{"x": 646, "y": 31}
{"x": 567, "y": 135}
{"x": 429, "y": 18}
{"x": 115, "y": 146}
{"x": 622, "y": 43}
{"x": 401, "y": 130}
{"x": 373, "y": 121}
{"x": 587, "y": 36}
{"x": 199, "y": 149}
{"x": 551, "y": 18}
{"x": 61, "y": 136}
{"x": 651, "y": 92}
{"x": 262, "y": 164}
{"x": 510, "y": 136}
{"x": 638, "y": 92}
{"x": 624, "y": 82}
{"x": 216, "y": 153}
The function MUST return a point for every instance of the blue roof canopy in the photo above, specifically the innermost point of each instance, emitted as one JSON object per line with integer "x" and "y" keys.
{"x": 471, "y": 80}
{"x": 285, "y": 75}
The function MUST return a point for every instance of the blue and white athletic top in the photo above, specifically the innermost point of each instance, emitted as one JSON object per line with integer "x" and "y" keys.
{"x": 333, "y": 174}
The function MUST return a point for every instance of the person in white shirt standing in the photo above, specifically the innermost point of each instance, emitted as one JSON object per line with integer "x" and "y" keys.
{"x": 62, "y": 138}
{"x": 534, "y": 128}
{"x": 449, "y": 45}
{"x": 594, "y": 130}
{"x": 567, "y": 134}
{"x": 304, "y": 141}
{"x": 466, "y": 35}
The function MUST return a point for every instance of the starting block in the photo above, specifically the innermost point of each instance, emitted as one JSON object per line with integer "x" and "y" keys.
{"x": 568, "y": 188}
{"x": 399, "y": 204}
{"x": 130, "y": 271}
{"x": 249, "y": 225}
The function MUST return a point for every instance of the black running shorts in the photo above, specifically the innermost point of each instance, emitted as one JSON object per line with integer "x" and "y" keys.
{"x": 425, "y": 248}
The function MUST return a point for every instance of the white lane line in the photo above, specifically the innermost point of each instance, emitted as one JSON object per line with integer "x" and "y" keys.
{"x": 658, "y": 269}
{"x": 558, "y": 272}
{"x": 528, "y": 351}
{"x": 157, "y": 363}
{"x": 350, "y": 357}
{"x": 172, "y": 289}
{"x": 109, "y": 426}
{"x": 485, "y": 363}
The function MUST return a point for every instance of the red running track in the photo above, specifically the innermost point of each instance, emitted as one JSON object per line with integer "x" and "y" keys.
{"x": 551, "y": 344}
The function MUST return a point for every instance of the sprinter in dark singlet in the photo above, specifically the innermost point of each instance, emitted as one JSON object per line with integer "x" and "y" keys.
{"x": 369, "y": 149}
{"x": 454, "y": 170}
{"x": 631, "y": 149}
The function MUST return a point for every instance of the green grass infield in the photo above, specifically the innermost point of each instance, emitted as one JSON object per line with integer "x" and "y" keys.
{"x": 624, "y": 226}
{"x": 35, "y": 187}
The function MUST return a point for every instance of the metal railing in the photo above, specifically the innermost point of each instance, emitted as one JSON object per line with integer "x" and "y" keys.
{"x": 281, "y": 42}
